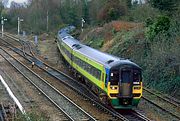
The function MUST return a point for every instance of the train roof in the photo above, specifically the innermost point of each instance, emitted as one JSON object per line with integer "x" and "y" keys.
{"x": 69, "y": 40}
{"x": 96, "y": 55}
{"x": 103, "y": 58}
{"x": 63, "y": 34}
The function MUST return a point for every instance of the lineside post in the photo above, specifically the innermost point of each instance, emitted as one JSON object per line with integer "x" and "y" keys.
{"x": 2, "y": 23}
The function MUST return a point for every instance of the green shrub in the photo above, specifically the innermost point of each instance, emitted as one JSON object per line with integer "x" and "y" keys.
{"x": 140, "y": 13}
{"x": 95, "y": 43}
{"x": 112, "y": 10}
{"x": 34, "y": 116}
{"x": 161, "y": 24}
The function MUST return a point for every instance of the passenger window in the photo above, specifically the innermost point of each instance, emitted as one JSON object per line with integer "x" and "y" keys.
{"x": 78, "y": 62}
{"x": 91, "y": 71}
{"x": 99, "y": 74}
{"x": 94, "y": 72}
{"x": 84, "y": 65}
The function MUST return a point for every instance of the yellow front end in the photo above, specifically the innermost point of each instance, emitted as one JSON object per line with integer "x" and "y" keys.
{"x": 113, "y": 91}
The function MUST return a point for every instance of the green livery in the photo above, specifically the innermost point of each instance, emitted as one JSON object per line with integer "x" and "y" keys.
{"x": 116, "y": 81}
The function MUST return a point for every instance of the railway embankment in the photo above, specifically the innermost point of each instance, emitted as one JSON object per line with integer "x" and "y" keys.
{"x": 159, "y": 58}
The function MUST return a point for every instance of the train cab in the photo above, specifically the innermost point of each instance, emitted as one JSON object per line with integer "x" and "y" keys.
{"x": 125, "y": 86}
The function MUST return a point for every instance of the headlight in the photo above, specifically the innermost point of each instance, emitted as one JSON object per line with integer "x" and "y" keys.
{"x": 136, "y": 82}
{"x": 113, "y": 87}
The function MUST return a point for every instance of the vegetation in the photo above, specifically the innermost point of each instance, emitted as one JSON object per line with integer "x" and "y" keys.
{"x": 161, "y": 24}
{"x": 32, "y": 116}
{"x": 166, "y": 5}
{"x": 147, "y": 33}
{"x": 153, "y": 44}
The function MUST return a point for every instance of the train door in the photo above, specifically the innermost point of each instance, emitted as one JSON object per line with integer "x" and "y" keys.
{"x": 125, "y": 83}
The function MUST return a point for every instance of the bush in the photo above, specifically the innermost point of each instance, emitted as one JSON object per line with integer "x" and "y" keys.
{"x": 140, "y": 13}
{"x": 95, "y": 43}
{"x": 161, "y": 24}
{"x": 112, "y": 10}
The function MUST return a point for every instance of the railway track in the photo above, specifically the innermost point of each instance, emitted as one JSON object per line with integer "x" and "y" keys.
{"x": 81, "y": 89}
{"x": 25, "y": 45}
{"x": 168, "y": 99}
{"x": 69, "y": 108}
{"x": 71, "y": 83}
{"x": 167, "y": 105}
{"x": 133, "y": 115}
{"x": 68, "y": 81}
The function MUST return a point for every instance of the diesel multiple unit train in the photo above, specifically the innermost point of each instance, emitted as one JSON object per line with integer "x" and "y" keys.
{"x": 116, "y": 81}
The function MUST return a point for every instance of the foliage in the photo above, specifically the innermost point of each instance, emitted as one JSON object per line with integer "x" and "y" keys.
{"x": 95, "y": 7}
{"x": 58, "y": 11}
{"x": 34, "y": 116}
{"x": 95, "y": 43}
{"x": 161, "y": 24}
{"x": 139, "y": 13}
{"x": 86, "y": 12}
{"x": 129, "y": 4}
{"x": 159, "y": 57}
{"x": 167, "y": 5}
{"x": 112, "y": 10}
{"x": 4, "y": 2}
{"x": 1, "y": 6}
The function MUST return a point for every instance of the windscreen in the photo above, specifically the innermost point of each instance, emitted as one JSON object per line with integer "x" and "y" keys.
{"x": 125, "y": 77}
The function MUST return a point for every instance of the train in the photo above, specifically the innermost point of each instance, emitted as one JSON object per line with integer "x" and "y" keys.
{"x": 116, "y": 81}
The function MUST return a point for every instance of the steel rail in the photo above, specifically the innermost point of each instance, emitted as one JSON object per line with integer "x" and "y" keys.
{"x": 112, "y": 111}
{"x": 68, "y": 116}
{"x": 133, "y": 115}
{"x": 21, "y": 41}
{"x": 92, "y": 99}
{"x": 175, "y": 103}
{"x": 140, "y": 115}
{"x": 153, "y": 103}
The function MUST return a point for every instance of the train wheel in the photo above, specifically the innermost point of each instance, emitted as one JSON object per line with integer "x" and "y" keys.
{"x": 88, "y": 84}
{"x": 103, "y": 98}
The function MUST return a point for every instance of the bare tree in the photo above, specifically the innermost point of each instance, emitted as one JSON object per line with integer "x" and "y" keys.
{"x": 4, "y": 2}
